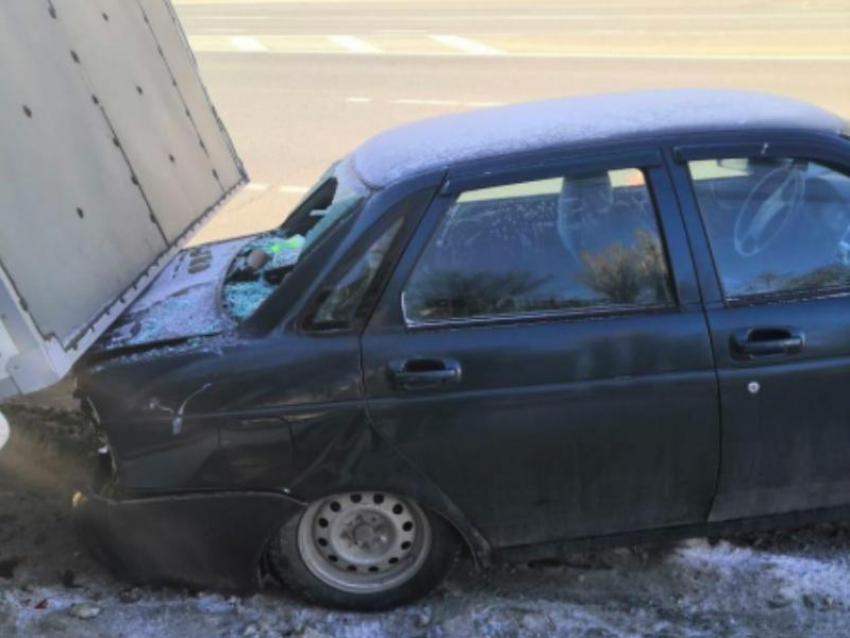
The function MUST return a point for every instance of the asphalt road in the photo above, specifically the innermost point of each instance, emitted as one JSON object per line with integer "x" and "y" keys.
{"x": 300, "y": 83}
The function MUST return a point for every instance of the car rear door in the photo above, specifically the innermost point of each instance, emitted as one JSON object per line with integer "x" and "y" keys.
{"x": 540, "y": 351}
{"x": 770, "y": 227}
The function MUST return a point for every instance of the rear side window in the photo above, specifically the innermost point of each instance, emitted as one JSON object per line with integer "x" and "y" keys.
{"x": 552, "y": 245}
{"x": 775, "y": 226}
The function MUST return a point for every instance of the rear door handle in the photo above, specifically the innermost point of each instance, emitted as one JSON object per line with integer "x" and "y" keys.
{"x": 766, "y": 341}
{"x": 419, "y": 373}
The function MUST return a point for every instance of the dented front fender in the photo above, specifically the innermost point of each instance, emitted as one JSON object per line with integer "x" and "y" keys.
{"x": 209, "y": 540}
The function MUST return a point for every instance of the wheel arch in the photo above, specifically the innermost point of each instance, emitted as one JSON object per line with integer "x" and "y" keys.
{"x": 360, "y": 459}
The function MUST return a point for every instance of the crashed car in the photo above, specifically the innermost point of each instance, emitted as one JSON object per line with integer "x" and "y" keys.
{"x": 519, "y": 332}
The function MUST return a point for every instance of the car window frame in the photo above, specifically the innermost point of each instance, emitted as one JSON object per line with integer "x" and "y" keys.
{"x": 831, "y": 151}
{"x": 405, "y": 209}
{"x": 308, "y": 323}
{"x": 505, "y": 171}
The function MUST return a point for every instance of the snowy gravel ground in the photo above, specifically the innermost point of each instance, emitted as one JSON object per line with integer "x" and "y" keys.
{"x": 793, "y": 583}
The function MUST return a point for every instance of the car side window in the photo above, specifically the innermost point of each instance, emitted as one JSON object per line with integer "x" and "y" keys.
{"x": 571, "y": 243}
{"x": 775, "y": 226}
{"x": 340, "y": 302}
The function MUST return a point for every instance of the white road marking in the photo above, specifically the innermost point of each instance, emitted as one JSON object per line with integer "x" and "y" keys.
{"x": 230, "y": 18}
{"x": 467, "y": 45}
{"x": 355, "y": 45}
{"x": 762, "y": 17}
{"x": 358, "y": 100}
{"x": 254, "y": 186}
{"x": 428, "y": 102}
{"x": 733, "y": 57}
{"x": 220, "y": 30}
{"x": 543, "y": 17}
{"x": 473, "y": 48}
{"x": 295, "y": 190}
{"x": 247, "y": 43}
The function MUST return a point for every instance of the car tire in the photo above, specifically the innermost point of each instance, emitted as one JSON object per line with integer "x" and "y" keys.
{"x": 365, "y": 551}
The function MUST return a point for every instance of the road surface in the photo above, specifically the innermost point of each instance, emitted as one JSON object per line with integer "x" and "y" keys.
{"x": 300, "y": 84}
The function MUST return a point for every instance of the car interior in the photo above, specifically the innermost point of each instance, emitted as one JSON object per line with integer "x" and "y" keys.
{"x": 771, "y": 222}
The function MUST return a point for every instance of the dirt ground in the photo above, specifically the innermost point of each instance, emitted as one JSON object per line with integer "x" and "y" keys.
{"x": 793, "y": 583}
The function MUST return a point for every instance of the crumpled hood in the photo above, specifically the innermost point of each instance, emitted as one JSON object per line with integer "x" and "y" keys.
{"x": 182, "y": 302}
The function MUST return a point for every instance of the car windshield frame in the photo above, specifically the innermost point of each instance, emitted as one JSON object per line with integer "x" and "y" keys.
{"x": 337, "y": 197}
{"x": 341, "y": 184}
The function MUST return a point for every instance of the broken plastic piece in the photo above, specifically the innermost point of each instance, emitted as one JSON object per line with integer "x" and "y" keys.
{"x": 4, "y": 431}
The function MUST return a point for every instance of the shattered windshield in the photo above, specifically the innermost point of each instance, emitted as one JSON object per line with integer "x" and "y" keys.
{"x": 267, "y": 259}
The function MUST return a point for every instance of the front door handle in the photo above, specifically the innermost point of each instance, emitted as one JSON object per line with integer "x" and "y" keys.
{"x": 419, "y": 373}
{"x": 751, "y": 343}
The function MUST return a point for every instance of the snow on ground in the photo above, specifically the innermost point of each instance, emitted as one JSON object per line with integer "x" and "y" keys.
{"x": 777, "y": 584}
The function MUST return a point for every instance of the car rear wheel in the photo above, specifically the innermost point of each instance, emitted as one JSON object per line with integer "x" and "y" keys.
{"x": 364, "y": 550}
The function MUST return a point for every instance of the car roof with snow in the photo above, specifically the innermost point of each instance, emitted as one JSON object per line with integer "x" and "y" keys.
{"x": 485, "y": 133}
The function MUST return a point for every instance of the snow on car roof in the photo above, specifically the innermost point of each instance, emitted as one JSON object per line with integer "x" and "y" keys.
{"x": 442, "y": 141}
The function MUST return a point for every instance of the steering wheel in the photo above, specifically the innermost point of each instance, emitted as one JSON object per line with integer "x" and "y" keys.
{"x": 768, "y": 209}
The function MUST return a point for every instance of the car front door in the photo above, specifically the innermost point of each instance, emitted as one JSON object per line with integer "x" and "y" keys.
{"x": 770, "y": 224}
{"x": 540, "y": 352}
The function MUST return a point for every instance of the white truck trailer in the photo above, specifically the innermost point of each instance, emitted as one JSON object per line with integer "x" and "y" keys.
{"x": 111, "y": 156}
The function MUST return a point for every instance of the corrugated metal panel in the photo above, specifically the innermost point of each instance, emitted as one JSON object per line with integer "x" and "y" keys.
{"x": 110, "y": 155}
